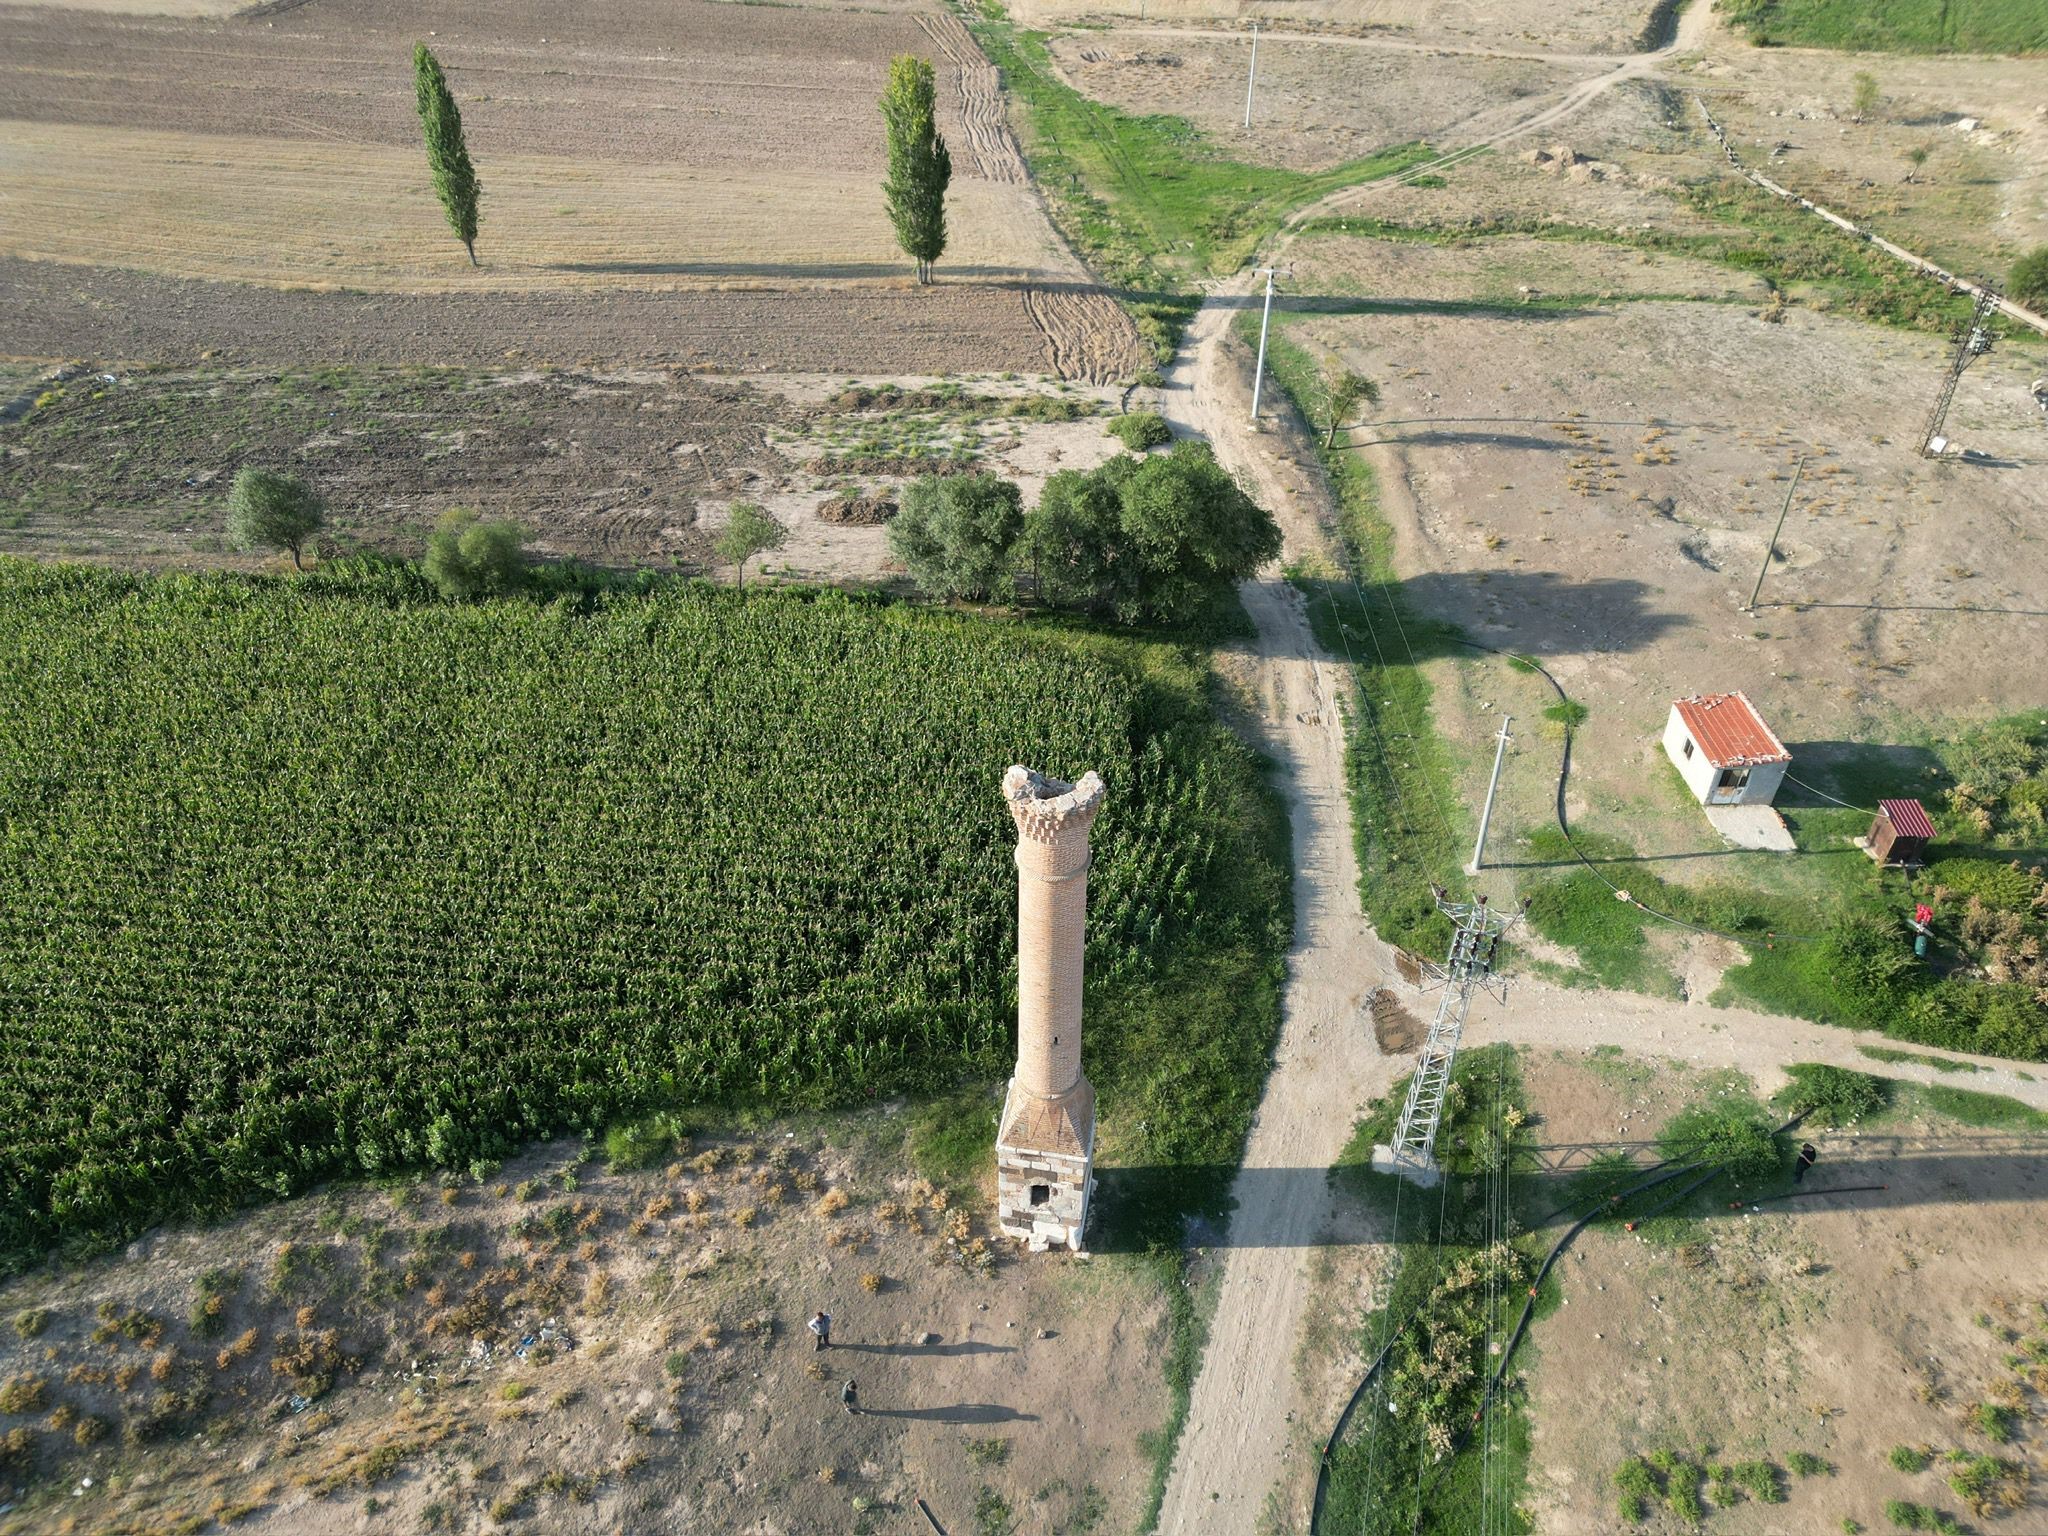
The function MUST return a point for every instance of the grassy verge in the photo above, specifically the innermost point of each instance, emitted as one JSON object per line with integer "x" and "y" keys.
{"x": 1795, "y": 254}
{"x": 1416, "y": 1469}
{"x": 1150, "y": 202}
{"x": 1406, "y": 818}
{"x": 1841, "y": 1097}
{"x": 1894, "y": 26}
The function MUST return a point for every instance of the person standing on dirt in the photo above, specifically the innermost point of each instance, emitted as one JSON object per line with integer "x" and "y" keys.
{"x": 1807, "y": 1157}
{"x": 850, "y": 1395}
{"x": 821, "y": 1329}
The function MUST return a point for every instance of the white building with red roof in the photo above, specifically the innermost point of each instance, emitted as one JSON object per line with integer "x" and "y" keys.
{"x": 1724, "y": 751}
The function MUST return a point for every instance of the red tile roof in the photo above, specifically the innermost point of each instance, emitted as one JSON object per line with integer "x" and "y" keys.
{"x": 1908, "y": 817}
{"x": 1728, "y": 729}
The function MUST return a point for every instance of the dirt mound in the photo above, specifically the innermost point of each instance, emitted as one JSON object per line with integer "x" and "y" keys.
{"x": 856, "y": 511}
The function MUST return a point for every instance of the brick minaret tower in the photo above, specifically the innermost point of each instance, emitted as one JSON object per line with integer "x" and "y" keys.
{"x": 1045, "y": 1148}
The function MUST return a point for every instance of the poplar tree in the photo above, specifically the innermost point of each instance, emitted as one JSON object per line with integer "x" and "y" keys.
{"x": 447, "y": 154}
{"x": 919, "y": 165}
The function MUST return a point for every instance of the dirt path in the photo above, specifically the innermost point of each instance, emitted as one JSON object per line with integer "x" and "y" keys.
{"x": 1326, "y": 1064}
{"x": 1757, "y": 1044}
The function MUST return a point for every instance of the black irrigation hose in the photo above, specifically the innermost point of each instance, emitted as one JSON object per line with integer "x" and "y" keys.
{"x": 1800, "y": 1194}
{"x": 1664, "y": 1205}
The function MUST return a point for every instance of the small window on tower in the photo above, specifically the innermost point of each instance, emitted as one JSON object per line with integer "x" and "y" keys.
{"x": 1041, "y": 1194}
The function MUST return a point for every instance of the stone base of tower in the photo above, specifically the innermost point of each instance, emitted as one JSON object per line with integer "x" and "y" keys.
{"x": 1045, "y": 1167}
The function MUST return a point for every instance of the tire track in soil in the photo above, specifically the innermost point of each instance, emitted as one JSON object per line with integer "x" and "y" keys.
{"x": 981, "y": 100}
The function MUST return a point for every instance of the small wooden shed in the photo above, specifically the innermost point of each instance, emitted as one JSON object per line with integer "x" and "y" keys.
{"x": 1900, "y": 834}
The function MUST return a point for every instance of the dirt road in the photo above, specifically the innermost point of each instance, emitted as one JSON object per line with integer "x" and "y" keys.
{"x": 1328, "y": 1064}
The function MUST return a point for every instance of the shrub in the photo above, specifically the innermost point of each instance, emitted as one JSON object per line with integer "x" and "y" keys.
{"x": 1636, "y": 1482}
{"x": 29, "y": 1324}
{"x": 1832, "y": 1095}
{"x": 21, "y": 1394}
{"x": 1761, "y": 1479}
{"x": 1994, "y": 1421}
{"x": 2028, "y": 283}
{"x": 469, "y": 557}
{"x": 1805, "y": 1464}
{"x": 1152, "y": 539}
{"x": 1736, "y": 1135}
{"x": 1906, "y": 1458}
{"x": 1139, "y": 430}
{"x": 642, "y": 1143}
{"x": 955, "y": 534}
{"x": 1907, "y": 1516}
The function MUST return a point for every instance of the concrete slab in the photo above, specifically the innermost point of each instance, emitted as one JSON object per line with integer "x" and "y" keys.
{"x": 1752, "y": 826}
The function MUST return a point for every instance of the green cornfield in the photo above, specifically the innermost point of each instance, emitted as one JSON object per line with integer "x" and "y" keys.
{"x": 320, "y": 877}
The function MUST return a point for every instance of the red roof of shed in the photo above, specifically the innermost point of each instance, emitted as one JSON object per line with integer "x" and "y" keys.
{"x": 1908, "y": 817}
{"x": 1730, "y": 731}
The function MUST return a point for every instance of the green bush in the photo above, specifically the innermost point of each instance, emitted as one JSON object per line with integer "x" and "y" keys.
{"x": 1157, "y": 538}
{"x": 1806, "y": 1464}
{"x": 1736, "y": 1135}
{"x": 1139, "y": 430}
{"x": 2003, "y": 885}
{"x": 1906, "y": 1458}
{"x": 641, "y": 1143}
{"x": 1995, "y": 1421}
{"x": 469, "y": 557}
{"x": 1908, "y": 1516}
{"x": 1761, "y": 1479}
{"x": 1832, "y": 1095}
{"x": 2028, "y": 283}
{"x": 1637, "y": 1485}
{"x": 956, "y": 534}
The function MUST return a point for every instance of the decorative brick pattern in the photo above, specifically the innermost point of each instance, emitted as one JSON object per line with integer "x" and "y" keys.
{"x": 1045, "y": 1150}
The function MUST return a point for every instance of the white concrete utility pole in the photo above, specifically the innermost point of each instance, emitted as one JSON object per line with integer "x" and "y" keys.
{"x": 1492, "y": 784}
{"x": 1252, "y": 80}
{"x": 1259, "y": 373}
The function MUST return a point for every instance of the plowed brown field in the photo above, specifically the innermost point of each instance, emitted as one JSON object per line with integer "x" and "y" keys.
{"x": 625, "y": 154}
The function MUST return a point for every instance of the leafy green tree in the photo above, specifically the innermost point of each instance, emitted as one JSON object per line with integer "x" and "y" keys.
{"x": 919, "y": 164}
{"x": 272, "y": 511}
{"x": 469, "y": 557}
{"x": 750, "y": 531}
{"x": 1148, "y": 539}
{"x": 957, "y": 534}
{"x": 1863, "y": 98}
{"x": 1916, "y": 157}
{"x": 2028, "y": 283}
{"x": 447, "y": 154}
{"x": 1345, "y": 391}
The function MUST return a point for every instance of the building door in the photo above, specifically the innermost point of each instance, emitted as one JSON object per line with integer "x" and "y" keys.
{"x": 1728, "y": 789}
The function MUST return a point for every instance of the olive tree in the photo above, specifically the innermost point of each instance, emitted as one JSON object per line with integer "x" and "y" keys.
{"x": 272, "y": 511}
{"x": 1345, "y": 392}
{"x": 748, "y": 532}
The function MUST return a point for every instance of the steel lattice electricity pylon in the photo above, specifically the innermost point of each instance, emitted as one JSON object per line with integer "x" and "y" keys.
{"x": 1475, "y": 947}
{"x": 1973, "y": 342}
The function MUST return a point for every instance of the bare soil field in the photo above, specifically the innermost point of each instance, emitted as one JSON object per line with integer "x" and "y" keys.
{"x": 614, "y": 469}
{"x": 1319, "y": 101}
{"x": 1838, "y": 1327}
{"x": 652, "y": 149}
{"x": 562, "y": 1348}
{"x": 320, "y": 214}
{"x": 1576, "y": 26}
{"x": 1979, "y": 199}
{"x": 56, "y": 312}
{"x": 1594, "y": 483}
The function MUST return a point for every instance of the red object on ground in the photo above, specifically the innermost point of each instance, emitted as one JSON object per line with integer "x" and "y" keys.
{"x": 1923, "y": 914}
